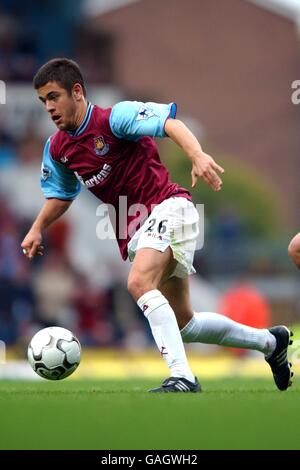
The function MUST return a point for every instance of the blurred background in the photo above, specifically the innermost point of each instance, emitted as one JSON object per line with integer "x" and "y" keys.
{"x": 229, "y": 66}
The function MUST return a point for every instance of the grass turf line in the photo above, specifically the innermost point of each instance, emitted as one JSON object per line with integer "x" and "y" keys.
{"x": 229, "y": 414}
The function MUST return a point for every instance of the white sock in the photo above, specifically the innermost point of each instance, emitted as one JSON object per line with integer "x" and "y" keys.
{"x": 212, "y": 328}
{"x": 166, "y": 333}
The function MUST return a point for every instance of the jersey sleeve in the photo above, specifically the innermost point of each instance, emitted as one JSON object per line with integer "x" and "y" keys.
{"x": 132, "y": 119}
{"x": 56, "y": 180}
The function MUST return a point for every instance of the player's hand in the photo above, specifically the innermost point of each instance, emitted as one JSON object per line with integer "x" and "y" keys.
{"x": 206, "y": 168}
{"x": 32, "y": 244}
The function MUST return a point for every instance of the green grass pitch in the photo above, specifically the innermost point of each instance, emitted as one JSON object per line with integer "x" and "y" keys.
{"x": 108, "y": 415}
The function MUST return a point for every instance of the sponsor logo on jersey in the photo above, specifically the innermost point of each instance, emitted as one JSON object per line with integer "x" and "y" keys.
{"x": 80, "y": 179}
{"x": 100, "y": 147}
{"x": 45, "y": 172}
{"x": 144, "y": 113}
{"x": 95, "y": 179}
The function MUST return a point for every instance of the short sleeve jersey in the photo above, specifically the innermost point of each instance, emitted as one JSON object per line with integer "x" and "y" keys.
{"x": 112, "y": 154}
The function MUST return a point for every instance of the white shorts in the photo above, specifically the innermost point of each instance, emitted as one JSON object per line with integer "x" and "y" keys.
{"x": 172, "y": 223}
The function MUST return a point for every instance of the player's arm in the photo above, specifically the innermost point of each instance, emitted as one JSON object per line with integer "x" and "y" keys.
{"x": 50, "y": 212}
{"x": 203, "y": 165}
{"x": 60, "y": 187}
{"x": 132, "y": 119}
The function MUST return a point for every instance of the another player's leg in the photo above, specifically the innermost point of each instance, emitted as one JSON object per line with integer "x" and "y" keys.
{"x": 294, "y": 250}
{"x": 149, "y": 268}
{"x": 213, "y": 328}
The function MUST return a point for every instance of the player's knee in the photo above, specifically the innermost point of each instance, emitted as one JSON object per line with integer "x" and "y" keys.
{"x": 138, "y": 285}
{"x": 294, "y": 248}
{"x": 291, "y": 249}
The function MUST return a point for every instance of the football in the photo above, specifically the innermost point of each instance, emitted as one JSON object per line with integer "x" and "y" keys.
{"x": 54, "y": 353}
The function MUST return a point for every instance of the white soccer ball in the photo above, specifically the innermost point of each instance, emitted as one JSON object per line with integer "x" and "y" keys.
{"x": 54, "y": 353}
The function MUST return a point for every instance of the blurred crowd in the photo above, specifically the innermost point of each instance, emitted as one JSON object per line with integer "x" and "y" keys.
{"x": 50, "y": 291}
{"x": 27, "y": 39}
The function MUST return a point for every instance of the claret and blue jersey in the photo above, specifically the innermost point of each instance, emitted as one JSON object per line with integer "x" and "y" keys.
{"x": 112, "y": 154}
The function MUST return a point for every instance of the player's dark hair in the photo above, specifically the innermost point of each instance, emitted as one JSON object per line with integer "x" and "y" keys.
{"x": 64, "y": 71}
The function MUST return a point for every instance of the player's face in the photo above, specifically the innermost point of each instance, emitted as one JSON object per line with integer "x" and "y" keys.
{"x": 60, "y": 105}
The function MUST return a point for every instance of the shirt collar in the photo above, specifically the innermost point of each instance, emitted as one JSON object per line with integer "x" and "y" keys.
{"x": 84, "y": 123}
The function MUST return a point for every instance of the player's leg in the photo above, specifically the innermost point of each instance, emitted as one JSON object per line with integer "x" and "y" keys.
{"x": 294, "y": 250}
{"x": 213, "y": 328}
{"x": 150, "y": 267}
{"x": 177, "y": 291}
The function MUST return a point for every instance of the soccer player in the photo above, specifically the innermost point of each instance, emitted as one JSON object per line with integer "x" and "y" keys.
{"x": 112, "y": 153}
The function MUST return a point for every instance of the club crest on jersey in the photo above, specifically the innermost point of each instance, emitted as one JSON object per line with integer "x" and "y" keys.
{"x": 101, "y": 148}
